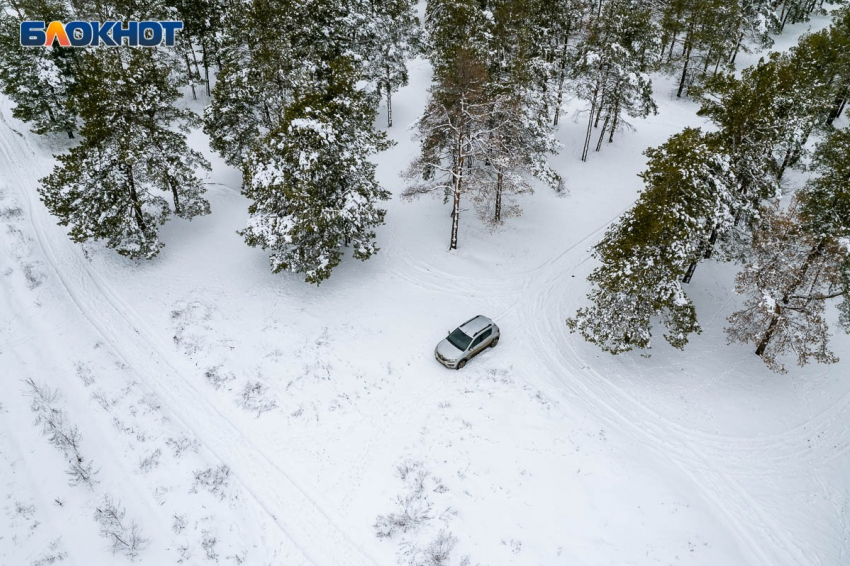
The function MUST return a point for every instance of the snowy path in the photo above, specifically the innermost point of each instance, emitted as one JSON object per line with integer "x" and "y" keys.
{"x": 315, "y": 538}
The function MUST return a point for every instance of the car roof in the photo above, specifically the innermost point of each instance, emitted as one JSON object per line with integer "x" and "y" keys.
{"x": 475, "y": 325}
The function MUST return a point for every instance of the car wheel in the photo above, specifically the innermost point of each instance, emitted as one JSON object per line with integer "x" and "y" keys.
{"x": 494, "y": 342}
{"x": 460, "y": 364}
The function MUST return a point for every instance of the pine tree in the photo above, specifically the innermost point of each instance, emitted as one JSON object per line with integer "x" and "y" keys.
{"x": 39, "y": 80}
{"x": 612, "y": 69}
{"x": 202, "y": 24}
{"x": 453, "y": 133}
{"x": 287, "y": 111}
{"x": 790, "y": 275}
{"x": 311, "y": 183}
{"x": 520, "y": 137}
{"x": 395, "y": 39}
{"x": 554, "y": 29}
{"x": 688, "y": 203}
{"x": 800, "y": 260}
{"x": 708, "y": 31}
{"x": 108, "y": 187}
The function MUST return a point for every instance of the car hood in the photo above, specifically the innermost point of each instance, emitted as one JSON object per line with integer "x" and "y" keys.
{"x": 448, "y": 351}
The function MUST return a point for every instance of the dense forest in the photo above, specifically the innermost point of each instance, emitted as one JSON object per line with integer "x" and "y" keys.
{"x": 295, "y": 90}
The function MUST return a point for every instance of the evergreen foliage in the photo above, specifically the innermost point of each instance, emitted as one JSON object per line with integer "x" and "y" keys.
{"x": 612, "y": 68}
{"x": 800, "y": 260}
{"x": 312, "y": 185}
{"x": 39, "y": 80}
{"x": 690, "y": 199}
{"x": 109, "y": 187}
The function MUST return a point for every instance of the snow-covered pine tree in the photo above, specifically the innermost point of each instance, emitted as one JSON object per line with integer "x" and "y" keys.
{"x": 795, "y": 11}
{"x": 822, "y": 61}
{"x": 454, "y": 133}
{"x": 520, "y": 137}
{"x": 39, "y": 80}
{"x": 744, "y": 112}
{"x": 555, "y": 28}
{"x": 688, "y": 202}
{"x": 395, "y": 38}
{"x": 707, "y": 32}
{"x": 800, "y": 259}
{"x": 202, "y": 26}
{"x": 756, "y": 23}
{"x": 612, "y": 70}
{"x": 261, "y": 65}
{"x": 311, "y": 183}
{"x": 789, "y": 277}
{"x": 109, "y": 187}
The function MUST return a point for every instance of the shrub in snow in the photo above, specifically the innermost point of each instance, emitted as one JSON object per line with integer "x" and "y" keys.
{"x": 52, "y": 556}
{"x": 182, "y": 444}
{"x": 217, "y": 377}
{"x": 253, "y": 398}
{"x": 60, "y": 433}
{"x": 213, "y": 480}
{"x": 124, "y": 536}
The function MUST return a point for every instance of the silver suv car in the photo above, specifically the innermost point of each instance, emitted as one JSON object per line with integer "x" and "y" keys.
{"x": 467, "y": 341}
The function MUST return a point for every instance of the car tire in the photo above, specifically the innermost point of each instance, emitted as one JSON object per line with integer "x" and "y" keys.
{"x": 494, "y": 342}
{"x": 460, "y": 364}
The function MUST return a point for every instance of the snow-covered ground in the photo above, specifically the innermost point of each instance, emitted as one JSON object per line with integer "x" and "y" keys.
{"x": 249, "y": 418}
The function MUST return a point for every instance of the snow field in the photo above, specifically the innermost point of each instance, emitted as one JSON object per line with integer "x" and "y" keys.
{"x": 284, "y": 420}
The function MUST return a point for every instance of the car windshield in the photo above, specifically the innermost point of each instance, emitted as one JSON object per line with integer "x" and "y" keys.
{"x": 459, "y": 340}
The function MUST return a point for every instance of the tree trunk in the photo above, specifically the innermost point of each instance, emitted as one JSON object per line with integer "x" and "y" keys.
{"x": 737, "y": 48}
{"x": 771, "y": 328}
{"x": 589, "y": 131}
{"x": 616, "y": 120}
{"x": 497, "y": 216}
{"x": 389, "y": 107}
{"x": 690, "y": 272}
{"x": 195, "y": 61}
{"x": 777, "y": 311}
{"x": 173, "y": 186}
{"x": 189, "y": 71}
{"x": 134, "y": 198}
{"x": 455, "y": 216}
{"x": 602, "y": 133}
{"x": 685, "y": 68}
{"x": 206, "y": 67}
{"x": 672, "y": 46}
{"x": 561, "y": 77}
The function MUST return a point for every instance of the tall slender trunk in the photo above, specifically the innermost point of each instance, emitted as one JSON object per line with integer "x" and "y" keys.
{"x": 195, "y": 61}
{"x": 561, "y": 76}
{"x": 589, "y": 131}
{"x": 456, "y": 211}
{"x": 707, "y": 60}
{"x": 672, "y": 46}
{"x": 784, "y": 165}
{"x": 497, "y": 216}
{"x": 389, "y": 106}
{"x": 189, "y": 72}
{"x": 616, "y": 122}
{"x": 174, "y": 194}
{"x": 706, "y": 254}
{"x": 602, "y": 133}
{"x": 206, "y": 66}
{"x": 688, "y": 48}
{"x": 737, "y": 48}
